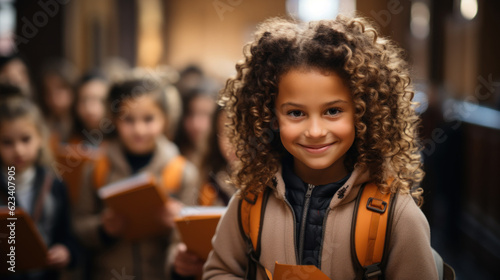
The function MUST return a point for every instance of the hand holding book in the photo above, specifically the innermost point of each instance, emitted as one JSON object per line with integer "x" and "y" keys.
{"x": 145, "y": 210}
{"x": 113, "y": 223}
{"x": 187, "y": 263}
{"x": 58, "y": 256}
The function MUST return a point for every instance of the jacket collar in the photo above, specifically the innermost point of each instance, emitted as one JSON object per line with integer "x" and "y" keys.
{"x": 163, "y": 153}
{"x": 347, "y": 193}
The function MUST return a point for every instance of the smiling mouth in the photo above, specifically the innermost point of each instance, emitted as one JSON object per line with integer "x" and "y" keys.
{"x": 315, "y": 149}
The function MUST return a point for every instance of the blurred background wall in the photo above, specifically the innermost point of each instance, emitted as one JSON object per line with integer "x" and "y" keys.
{"x": 453, "y": 46}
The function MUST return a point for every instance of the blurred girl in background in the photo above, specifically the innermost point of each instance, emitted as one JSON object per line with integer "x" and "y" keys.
{"x": 138, "y": 111}
{"x": 218, "y": 164}
{"x": 215, "y": 191}
{"x": 23, "y": 145}
{"x": 198, "y": 105}
{"x": 58, "y": 78}
{"x": 89, "y": 107}
{"x": 13, "y": 70}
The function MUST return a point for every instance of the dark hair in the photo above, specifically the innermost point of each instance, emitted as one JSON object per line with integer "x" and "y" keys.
{"x": 4, "y": 60}
{"x": 15, "y": 105}
{"x": 214, "y": 161}
{"x": 376, "y": 74}
{"x": 190, "y": 78}
{"x": 134, "y": 88}
{"x": 9, "y": 90}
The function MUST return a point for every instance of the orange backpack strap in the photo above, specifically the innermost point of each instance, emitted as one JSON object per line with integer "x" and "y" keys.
{"x": 101, "y": 170}
{"x": 250, "y": 215}
{"x": 172, "y": 174}
{"x": 370, "y": 231}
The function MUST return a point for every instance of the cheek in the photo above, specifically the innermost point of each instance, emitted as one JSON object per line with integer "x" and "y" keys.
{"x": 36, "y": 146}
{"x": 345, "y": 130}
{"x": 5, "y": 154}
{"x": 288, "y": 131}
{"x": 123, "y": 128}
{"x": 158, "y": 128}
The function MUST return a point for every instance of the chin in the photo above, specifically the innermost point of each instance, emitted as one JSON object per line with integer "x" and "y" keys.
{"x": 318, "y": 165}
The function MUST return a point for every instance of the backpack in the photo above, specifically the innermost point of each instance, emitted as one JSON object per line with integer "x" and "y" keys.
{"x": 171, "y": 176}
{"x": 370, "y": 232}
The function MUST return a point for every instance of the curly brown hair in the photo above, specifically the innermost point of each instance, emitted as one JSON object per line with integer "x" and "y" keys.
{"x": 377, "y": 75}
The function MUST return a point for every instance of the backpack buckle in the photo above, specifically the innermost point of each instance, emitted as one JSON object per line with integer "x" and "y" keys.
{"x": 248, "y": 197}
{"x": 373, "y": 271}
{"x": 376, "y": 205}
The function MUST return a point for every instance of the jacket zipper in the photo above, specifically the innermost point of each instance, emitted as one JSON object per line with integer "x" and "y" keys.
{"x": 294, "y": 231}
{"x": 323, "y": 236}
{"x": 310, "y": 188}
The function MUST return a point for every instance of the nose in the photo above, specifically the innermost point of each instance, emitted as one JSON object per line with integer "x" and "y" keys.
{"x": 140, "y": 128}
{"x": 315, "y": 128}
{"x": 18, "y": 149}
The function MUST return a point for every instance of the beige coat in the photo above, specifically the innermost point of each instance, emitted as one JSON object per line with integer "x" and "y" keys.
{"x": 144, "y": 259}
{"x": 410, "y": 255}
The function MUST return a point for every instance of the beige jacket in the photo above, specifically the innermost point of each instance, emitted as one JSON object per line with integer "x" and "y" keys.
{"x": 144, "y": 259}
{"x": 410, "y": 255}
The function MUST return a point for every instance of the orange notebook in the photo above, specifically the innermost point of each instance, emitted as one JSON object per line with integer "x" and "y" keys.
{"x": 138, "y": 199}
{"x": 30, "y": 251}
{"x": 288, "y": 271}
{"x": 197, "y": 227}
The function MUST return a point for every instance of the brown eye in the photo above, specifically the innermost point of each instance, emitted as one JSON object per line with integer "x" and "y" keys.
{"x": 295, "y": 113}
{"x": 6, "y": 142}
{"x": 128, "y": 119}
{"x": 333, "y": 111}
{"x": 26, "y": 139}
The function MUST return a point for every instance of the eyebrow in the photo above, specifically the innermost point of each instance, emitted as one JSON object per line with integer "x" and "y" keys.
{"x": 302, "y": 106}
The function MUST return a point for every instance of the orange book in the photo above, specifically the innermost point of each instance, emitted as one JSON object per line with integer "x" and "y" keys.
{"x": 197, "y": 227}
{"x": 138, "y": 199}
{"x": 288, "y": 271}
{"x": 21, "y": 245}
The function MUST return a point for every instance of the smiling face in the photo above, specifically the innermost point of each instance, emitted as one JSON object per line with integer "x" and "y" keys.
{"x": 20, "y": 143}
{"x": 316, "y": 123}
{"x": 139, "y": 123}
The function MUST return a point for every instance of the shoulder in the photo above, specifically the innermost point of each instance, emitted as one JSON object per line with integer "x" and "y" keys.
{"x": 58, "y": 188}
{"x": 167, "y": 147}
{"x": 408, "y": 214}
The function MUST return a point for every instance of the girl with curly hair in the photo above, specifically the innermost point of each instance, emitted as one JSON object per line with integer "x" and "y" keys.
{"x": 317, "y": 110}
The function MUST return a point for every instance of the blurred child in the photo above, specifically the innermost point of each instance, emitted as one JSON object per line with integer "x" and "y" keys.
{"x": 58, "y": 78}
{"x": 13, "y": 70}
{"x": 89, "y": 107}
{"x": 138, "y": 111}
{"x": 198, "y": 105}
{"x": 317, "y": 110}
{"x": 216, "y": 190}
{"x": 23, "y": 145}
{"x": 218, "y": 164}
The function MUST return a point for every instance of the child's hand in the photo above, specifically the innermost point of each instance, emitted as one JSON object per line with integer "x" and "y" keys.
{"x": 113, "y": 223}
{"x": 169, "y": 212}
{"x": 186, "y": 263}
{"x": 58, "y": 256}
